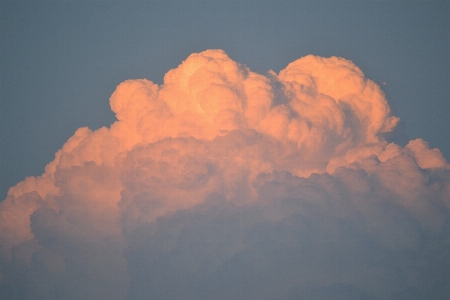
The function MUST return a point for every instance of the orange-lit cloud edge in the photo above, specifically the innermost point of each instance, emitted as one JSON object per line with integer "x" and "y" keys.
{"x": 215, "y": 129}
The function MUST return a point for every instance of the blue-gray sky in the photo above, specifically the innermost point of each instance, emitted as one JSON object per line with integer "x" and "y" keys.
{"x": 60, "y": 61}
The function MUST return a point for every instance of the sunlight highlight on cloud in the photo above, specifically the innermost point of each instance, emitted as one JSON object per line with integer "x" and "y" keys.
{"x": 227, "y": 184}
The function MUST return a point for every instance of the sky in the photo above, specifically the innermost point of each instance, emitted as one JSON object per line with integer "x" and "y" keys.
{"x": 61, "y": 61}
{"x": 241, "y": 150}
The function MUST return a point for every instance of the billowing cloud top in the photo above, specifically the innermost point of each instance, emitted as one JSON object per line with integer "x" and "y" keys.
{"x": 227, "y": 184}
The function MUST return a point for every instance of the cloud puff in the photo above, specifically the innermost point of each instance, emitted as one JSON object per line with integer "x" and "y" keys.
{"x": 227, "y": 184}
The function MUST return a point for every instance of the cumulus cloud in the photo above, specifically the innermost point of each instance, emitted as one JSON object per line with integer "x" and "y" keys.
{"x": 227, "y": 184}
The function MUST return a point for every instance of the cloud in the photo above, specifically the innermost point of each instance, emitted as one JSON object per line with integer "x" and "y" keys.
{"x": 227, "y": 184}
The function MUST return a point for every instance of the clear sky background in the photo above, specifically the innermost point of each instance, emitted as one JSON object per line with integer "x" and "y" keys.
{"x": 60, "y": 61}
